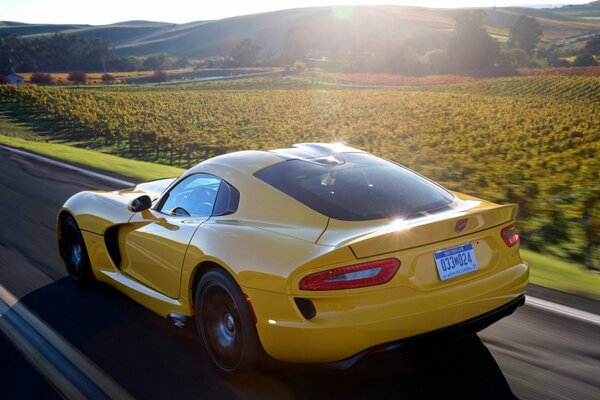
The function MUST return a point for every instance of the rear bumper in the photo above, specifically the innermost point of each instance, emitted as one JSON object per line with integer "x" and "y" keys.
{"x": 349, "y": 326}
{"x": 470, "y": 326}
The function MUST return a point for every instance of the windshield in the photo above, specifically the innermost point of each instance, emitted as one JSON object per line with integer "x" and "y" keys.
{"x": 356, "y": 187}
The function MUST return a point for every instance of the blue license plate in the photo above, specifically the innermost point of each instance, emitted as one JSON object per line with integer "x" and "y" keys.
{"x": 455, "y": 261}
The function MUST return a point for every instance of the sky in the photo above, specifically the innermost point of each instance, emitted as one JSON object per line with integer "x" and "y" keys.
{"x": 179, "y": 11}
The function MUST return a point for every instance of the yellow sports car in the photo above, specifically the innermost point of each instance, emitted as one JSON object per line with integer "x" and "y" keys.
{"x": 319, "y": 253}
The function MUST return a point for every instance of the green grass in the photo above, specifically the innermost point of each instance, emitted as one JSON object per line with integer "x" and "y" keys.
{"x": 16, "y": 129}
{"x": 562, "y": 275}
{"x": 105, "y": 162}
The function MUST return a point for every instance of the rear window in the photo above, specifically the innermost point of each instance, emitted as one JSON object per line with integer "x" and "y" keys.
{"x": 356, "y": 187}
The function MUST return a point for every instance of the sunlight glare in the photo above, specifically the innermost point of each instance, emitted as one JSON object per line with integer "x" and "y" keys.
{"x": 400, "y": 225}
{"x": 343, "y": 12}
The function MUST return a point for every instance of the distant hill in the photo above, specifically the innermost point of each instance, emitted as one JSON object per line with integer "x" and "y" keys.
{"x": 590, "y": 11}
{"x": 332, "y": 29}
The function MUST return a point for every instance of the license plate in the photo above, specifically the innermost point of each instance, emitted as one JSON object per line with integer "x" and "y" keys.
{"x": 455, "y": 261}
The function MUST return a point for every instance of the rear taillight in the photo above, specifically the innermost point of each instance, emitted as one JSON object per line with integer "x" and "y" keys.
{"x": 353, "y": 276}
{"x": 510, "y": 235}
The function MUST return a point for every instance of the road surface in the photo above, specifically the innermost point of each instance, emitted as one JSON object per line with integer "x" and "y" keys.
{"x": 533, "y": 354}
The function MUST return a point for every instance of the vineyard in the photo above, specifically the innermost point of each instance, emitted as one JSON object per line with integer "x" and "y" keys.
{"x": 580, "y": 89}
{"x": 530, "y": 140}
{"x": 382, "y": 79}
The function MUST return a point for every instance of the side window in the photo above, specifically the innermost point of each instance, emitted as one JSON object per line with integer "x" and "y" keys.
{"x": 194, "y": 196}
{"x": 227, "y": 201}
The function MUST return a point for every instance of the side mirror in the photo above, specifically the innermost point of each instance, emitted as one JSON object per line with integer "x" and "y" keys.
{"x": 140, "y": 204}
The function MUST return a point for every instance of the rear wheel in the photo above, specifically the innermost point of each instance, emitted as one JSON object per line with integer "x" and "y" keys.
{"x": 75, "y": 254}
{"x": 226, "y": 324}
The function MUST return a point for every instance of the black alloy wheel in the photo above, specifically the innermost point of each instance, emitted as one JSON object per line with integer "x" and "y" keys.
{"x": 226, "y": 324}
{"x": 74, "y": 253}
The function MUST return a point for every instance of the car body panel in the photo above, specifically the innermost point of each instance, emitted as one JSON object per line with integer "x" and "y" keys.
{"x": 96, "y": 211}
{"x": 272, "y": 241}
{"x": 261, "y": 205}
{"x": 154, "y": 248}
{"x": 345, "y": 326}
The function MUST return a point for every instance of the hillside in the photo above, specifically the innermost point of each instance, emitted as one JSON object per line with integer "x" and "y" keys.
{"x": 333, "y": 29}
{"x": 585, "y": 11}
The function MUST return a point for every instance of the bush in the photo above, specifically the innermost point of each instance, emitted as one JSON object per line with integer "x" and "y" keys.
{"x": 159, "y": 62}
{"x": 299, "y": 67}
{"x": 516, "y": 57}
{"x": 3, "y": 80}
{"x": 436, "y": 61}
{"x": 41, "y": 78}
{"x": 593, "y": 45}
{"x": 108, "y": 78}
{"x": 159, "y": 76}
{"x": 555, "y": 61}
{"x": 77, "y": 77}
{"x": 585, "y": 60}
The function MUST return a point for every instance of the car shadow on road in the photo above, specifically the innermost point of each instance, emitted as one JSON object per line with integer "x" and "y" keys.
{"x": 152, "y": 359}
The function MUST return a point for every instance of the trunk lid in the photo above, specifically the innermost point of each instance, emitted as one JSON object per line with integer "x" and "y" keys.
{"x": 372, "y": 238}
{"x": 415, "y": 242}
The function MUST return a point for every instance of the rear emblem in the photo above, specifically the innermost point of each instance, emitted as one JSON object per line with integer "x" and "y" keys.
{"x": 460, "y": 225}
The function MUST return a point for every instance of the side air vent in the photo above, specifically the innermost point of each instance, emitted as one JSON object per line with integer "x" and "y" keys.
{"x": 111, "y": 239}
{"x": 306, "y": 307}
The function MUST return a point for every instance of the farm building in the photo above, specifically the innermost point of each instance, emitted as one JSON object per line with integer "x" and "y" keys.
{"x": 12, "y": 77}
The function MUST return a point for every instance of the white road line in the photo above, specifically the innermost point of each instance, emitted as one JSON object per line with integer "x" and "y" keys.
{"x": 532, "y": 301}
{"x": 68, "y": 166}
{"x": 50, "y": 371}
{"x": 37, "y": 360}
{"x": 563, "y": 310}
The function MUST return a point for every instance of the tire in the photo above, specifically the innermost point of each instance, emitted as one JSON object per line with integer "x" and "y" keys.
{"x": 225, "y": 324}
{"x": 75, "y": 254}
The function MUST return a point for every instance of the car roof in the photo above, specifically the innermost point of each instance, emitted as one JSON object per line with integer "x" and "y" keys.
{"x": 260, "y": 201}
{"x": 251, "y": 161}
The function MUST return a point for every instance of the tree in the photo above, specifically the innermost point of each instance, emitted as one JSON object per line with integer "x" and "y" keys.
{"x": 545, "y": 50}
{"x": 77, "y": 77}
{"x": 401, "y": 58}
{"x": 125, "y": 64}
{"x": 245, "y": 53}
{"x": 8, "y": 51}
{"x": 471, "y": 48}
{"x": 435, "y": 60}
{"x": 525, "y": 33}
{"x": 593, "y": 45}
{"x": 41, "y": 78}
{"x": 159, "y": 62}
{"x": 182, "y": 62}
{"x": 57, "y": 52}
{"x": 517, "y": 57}
{"x": 585, "y": 60}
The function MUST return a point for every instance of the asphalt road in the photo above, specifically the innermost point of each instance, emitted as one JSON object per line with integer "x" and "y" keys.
{"x": 533, "y": 354}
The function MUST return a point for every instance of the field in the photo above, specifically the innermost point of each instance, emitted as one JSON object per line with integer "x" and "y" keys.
{"x": 530, "y": 140}
{"x": 572, "y": 90}
{"x": 381, "y": 79}
{"x": 561, "y": 71}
